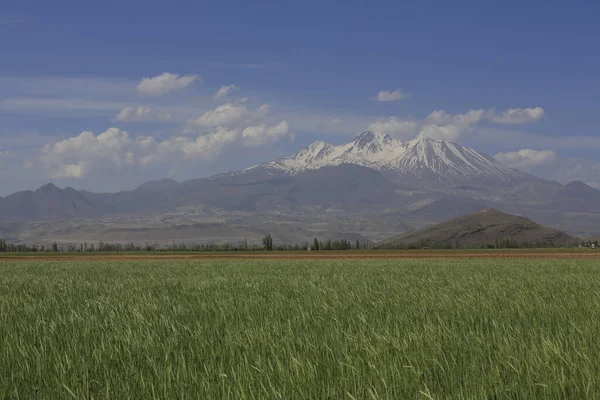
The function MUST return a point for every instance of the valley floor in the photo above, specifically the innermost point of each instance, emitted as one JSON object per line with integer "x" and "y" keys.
{"x": 468, "y": 327}
{"x": 530, "y": 253}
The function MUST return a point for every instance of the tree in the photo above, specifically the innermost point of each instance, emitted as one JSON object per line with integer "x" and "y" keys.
{"x": 268, "y": 242}
{"x": 54, "y": 247}
{"x": 357, "y": 245}
{"x": 316, "y": 244}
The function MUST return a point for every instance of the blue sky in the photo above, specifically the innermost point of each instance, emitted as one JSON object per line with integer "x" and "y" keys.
{"x": 302, "y": 71}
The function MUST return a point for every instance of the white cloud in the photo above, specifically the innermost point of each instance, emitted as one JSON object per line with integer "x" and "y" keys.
{"x": 164, "y": 83}
{"x": 441, "y": 117}
{"x": 178, "y": 148}
{"x": 396, "y": 127}
{"x": 335, "y": 122}
{"x": 228, "y": 114}
{"x": 210, "y": 146}
{"x": 141, "y": 114}
{"x": 69, "y": 171}
{"x": 225, "y": 114}
{"x": 224, "y": 91}
{"x": 76, "y": 156}
{"x": 114, "y": 149}
{"x": 259, "y": 135}
{"x": 516, "y": 116}
{"x": 442, "y": 125}
{"x": 388, "y": 95}
{"x": 526, "y": 158}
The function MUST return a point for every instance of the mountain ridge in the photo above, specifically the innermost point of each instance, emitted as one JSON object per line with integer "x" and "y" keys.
{"x": 417, "y": 159}
{"x": 354, "y": 186}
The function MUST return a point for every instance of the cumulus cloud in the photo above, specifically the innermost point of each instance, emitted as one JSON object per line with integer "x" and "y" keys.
{"x": 396, "y": 127}
{"x": 114, "y": 149}
{"x": 76, "y": 156}
{"x": 228, "y": 114}
{"x": 164, "y": 83}
{"x": 141, "y": 114}
{"x": 526, "y": 158}
{"x": 181, "y": 148}
{"x": 209, "y": 146}
{"x": 517, "y": 116}
{"x": 225, "y": 114}
{"x": 259, "y": 135}
{"x": 388, "y": 95}
{"x": 225, "y": 90}
{"x": 443, "y": 125}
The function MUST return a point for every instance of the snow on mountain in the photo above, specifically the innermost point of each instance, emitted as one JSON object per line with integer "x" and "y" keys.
{"x": 421, "y": 158}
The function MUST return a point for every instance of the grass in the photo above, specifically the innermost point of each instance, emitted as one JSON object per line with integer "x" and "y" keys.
{"x": 300, "y": 329}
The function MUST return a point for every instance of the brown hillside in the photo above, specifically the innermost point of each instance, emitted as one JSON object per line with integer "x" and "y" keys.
{"x": 483, "y": 227}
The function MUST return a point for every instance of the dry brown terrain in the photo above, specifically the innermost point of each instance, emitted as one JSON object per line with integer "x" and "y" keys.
{"x": 333, "y": 255}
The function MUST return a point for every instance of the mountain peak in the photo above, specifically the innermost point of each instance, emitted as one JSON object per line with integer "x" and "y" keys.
{"x": 489, "y": 211}
{"x": 578, "y": 185}
{"x": 318, "y": 145}
{"x": 372, "y": 135}
{"x": 47, "y": 188}
{"x": 368, "y": 137}
{"x": 421, "y": 159}
{"x": 426, "y": 139}
{"x": 161, "y": 184}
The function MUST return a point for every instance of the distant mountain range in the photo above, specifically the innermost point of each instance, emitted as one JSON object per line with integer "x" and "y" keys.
{"x": 372, "y": 187}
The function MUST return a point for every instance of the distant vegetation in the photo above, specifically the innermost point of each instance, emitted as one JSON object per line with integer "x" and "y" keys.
{"x": 431, "y": 329}
{"x": 497, "y": 244}
{"x": 267, "y": 245}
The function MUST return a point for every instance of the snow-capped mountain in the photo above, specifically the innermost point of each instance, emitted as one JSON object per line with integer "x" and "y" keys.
{"x": 419, "y": 159}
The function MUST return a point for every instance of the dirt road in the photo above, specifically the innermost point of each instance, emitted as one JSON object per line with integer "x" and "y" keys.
{"x": 333, "y": 255}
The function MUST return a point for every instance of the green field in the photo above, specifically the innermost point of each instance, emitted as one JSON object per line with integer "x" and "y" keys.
{"x": 329, "y": 329}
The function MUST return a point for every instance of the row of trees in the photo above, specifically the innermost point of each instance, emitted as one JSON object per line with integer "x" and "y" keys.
{"x": 340, "y": 245}
{"x": 268, "y": 244}
{"x": 6, "y": 247}
{"x": 497, "y": 244}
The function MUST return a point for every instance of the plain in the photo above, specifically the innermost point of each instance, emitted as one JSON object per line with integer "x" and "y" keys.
{"x": 395, "y": 328}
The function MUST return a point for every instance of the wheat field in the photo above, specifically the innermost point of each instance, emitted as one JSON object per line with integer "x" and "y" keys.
{"x": 326, "y": 329}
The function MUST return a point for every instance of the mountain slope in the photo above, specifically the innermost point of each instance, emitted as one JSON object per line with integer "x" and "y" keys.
{"x": 483, "y": 227}
{"x": 576, "y": 196}
{"x": 48, "y": 202}
{"x": 421, "y": 159}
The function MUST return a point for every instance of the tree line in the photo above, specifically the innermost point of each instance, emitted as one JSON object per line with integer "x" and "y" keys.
{"x": 268, "y": 244}
{"x": 497, "y": 244}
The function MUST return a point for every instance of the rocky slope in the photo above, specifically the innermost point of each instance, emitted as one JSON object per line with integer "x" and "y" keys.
{"x": 484, "y": 227}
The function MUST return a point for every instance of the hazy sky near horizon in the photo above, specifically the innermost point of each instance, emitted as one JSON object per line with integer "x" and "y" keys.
{"x": 105, "y": 95}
